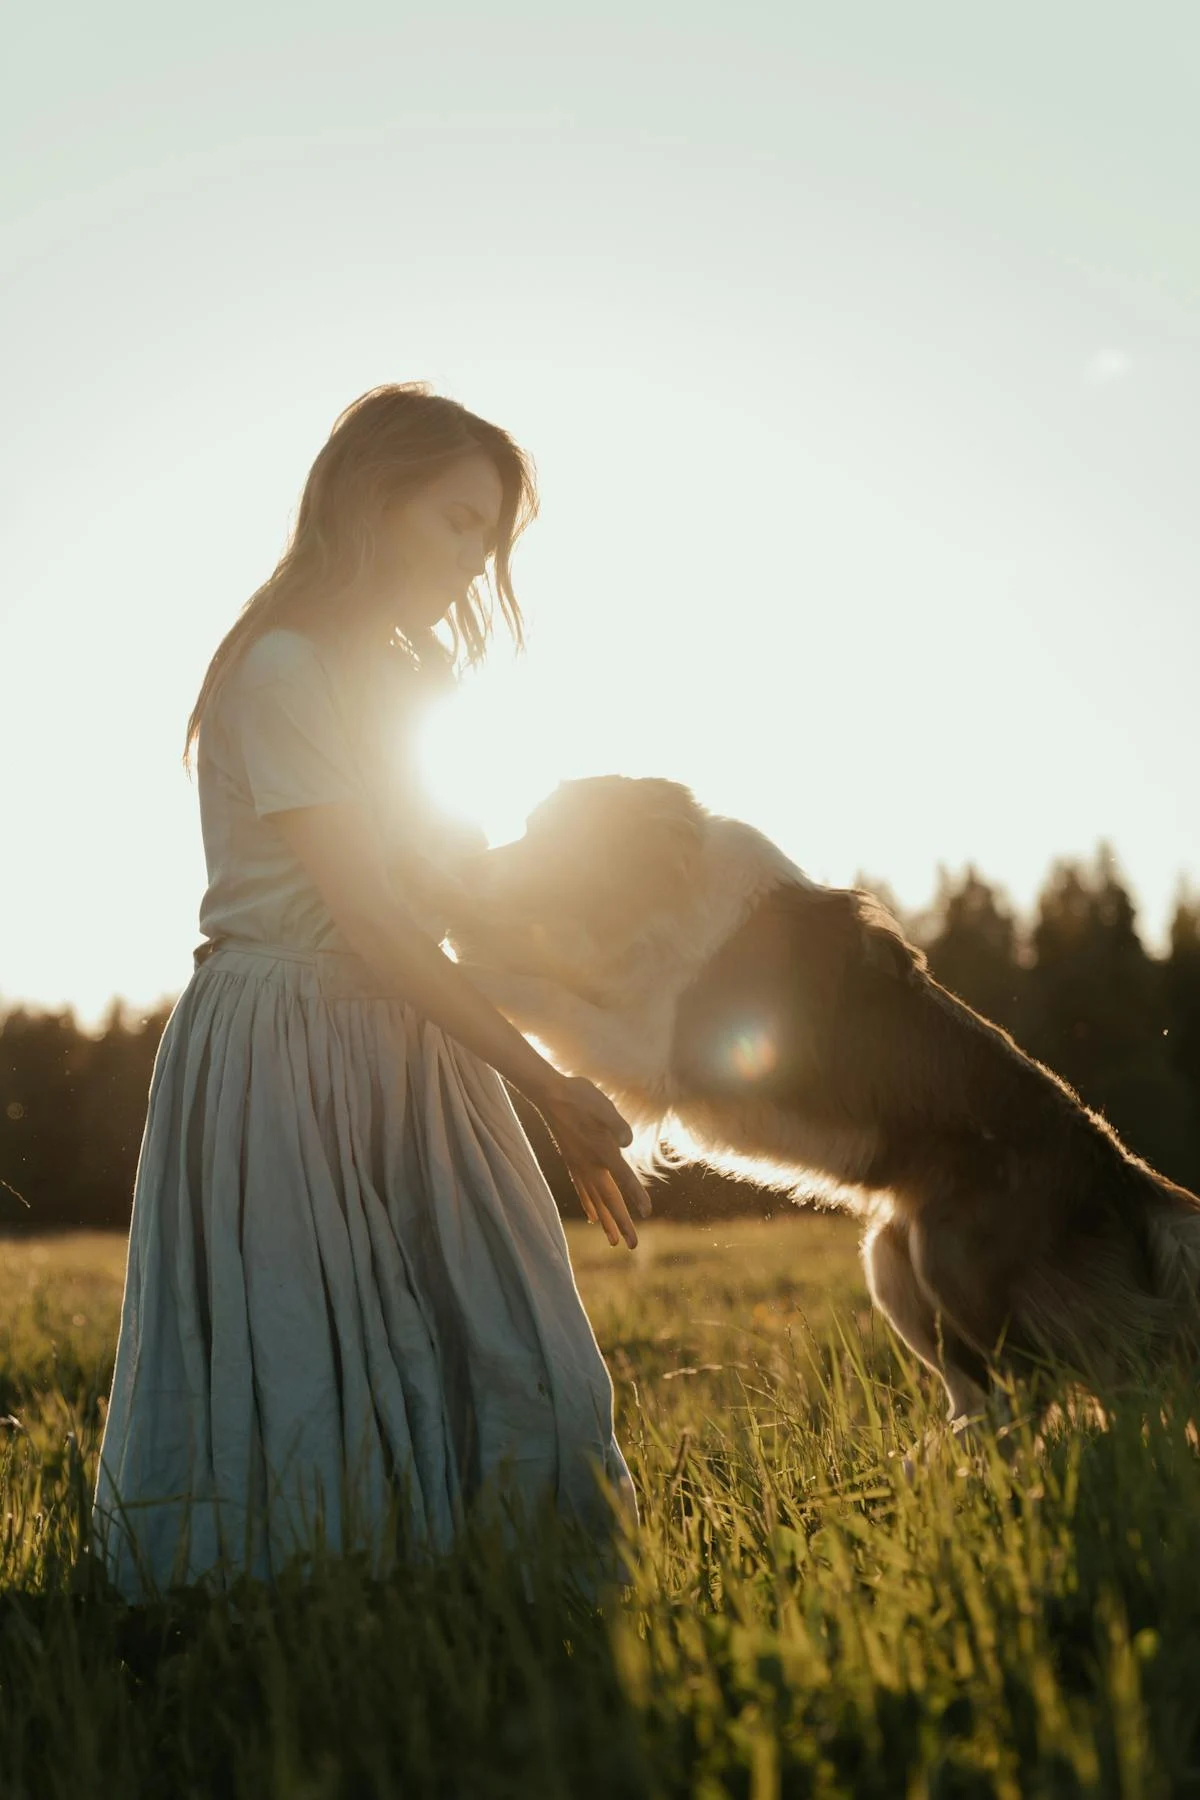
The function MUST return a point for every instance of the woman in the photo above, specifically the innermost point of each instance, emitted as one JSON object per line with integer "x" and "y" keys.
{"x": 348, "y": 1292}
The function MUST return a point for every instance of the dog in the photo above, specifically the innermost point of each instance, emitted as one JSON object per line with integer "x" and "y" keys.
{"x": 741, "y": 1014}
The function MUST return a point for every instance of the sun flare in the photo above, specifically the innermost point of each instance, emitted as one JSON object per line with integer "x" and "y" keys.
{"x": 482, "y": 762}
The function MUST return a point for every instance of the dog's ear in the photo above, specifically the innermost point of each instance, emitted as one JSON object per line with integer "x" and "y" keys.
{"x": 667, "y": 837}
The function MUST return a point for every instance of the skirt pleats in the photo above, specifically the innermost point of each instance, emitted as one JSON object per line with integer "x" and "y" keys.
{"x": 349, "y": 1304}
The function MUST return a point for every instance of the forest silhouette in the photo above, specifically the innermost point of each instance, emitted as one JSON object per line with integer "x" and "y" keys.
{"x": 1077, "y": 989}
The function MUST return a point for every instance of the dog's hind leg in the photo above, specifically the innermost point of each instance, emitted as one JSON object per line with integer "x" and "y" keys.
{"x": 899, "y": 1295}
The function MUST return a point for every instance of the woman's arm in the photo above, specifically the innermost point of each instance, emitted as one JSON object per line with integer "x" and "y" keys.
{"x": 339, "y": 847}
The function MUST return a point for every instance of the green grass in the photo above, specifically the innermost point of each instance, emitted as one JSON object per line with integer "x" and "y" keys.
{"x": 804, "y": 1618}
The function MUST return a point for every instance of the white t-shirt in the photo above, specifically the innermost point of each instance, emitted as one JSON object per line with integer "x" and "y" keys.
{"x": 286, "y": 729}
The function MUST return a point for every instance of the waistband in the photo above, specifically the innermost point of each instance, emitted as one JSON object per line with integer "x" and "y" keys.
{"x": 339, "y": 974}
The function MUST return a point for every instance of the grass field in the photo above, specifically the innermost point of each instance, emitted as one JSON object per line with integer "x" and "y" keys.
{"x": 803, "y": 1619}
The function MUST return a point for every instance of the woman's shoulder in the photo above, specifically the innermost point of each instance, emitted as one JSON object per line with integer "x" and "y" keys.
{"x": 279, "y": 654}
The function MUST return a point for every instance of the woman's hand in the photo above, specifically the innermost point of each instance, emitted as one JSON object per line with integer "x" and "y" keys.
{"x": 589, "y": 1132}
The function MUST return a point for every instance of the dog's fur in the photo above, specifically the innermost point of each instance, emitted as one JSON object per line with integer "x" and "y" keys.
{"x": 740, "y": 1013}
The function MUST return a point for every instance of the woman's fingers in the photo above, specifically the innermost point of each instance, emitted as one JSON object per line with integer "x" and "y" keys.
{"x": 614, "y": 1186}
{"x": 614, "y": 1231}
{"x": 618, "y": 1226}
{"x": 632, "y": 1188}
{"x": 596, "y": 1210}
{"x": 589, "y": 1132}
{"x": 603, "y": 1204}
{"x": 625, "y": 1181}
{"x": 586, "y": 1201}
{"x": 614, "y": 1204}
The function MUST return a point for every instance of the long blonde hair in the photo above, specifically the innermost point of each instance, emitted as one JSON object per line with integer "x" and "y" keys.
{"x": 386, "y": 445}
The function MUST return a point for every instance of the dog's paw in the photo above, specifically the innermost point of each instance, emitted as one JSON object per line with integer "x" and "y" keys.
{"x": 961, "y": 1432}
{"x": 919, "y": 1454}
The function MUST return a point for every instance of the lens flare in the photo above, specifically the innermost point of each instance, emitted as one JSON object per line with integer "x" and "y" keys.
{"x": 751, "y": 1052}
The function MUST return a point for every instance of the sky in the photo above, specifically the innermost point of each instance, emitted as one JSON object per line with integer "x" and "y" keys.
{"x": 857, "y": 347}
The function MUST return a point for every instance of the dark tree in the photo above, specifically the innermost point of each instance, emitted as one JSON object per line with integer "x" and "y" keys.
{"x": 1097, "y": 1012}
{"x": 975, "y": 950}
{"x": 43, "y": 1071}
{"x": 1182, "y": 979}
{"x": 72, "y": 1109}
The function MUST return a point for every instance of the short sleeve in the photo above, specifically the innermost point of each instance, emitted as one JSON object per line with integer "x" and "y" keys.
{"x": 292, "y": 736}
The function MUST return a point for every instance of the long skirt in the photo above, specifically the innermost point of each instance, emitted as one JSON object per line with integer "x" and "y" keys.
{"x": 348, "y": 1302}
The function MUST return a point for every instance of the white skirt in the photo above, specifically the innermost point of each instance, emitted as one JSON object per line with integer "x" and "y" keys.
{"x": 348, "y": 1301}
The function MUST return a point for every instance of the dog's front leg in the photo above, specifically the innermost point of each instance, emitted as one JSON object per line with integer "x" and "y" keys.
{"x": 898, "y": 1294}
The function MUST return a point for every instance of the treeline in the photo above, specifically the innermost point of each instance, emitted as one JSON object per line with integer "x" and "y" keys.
{"x": 1077, "y": 989}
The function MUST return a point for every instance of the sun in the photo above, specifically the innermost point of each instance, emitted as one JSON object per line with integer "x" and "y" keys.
{"x": 482, "y": 760}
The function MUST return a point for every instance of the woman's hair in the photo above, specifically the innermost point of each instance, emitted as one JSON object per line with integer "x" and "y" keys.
{"x": 386, "y": 446}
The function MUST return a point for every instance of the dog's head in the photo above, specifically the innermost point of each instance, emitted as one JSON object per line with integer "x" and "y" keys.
{"x": 602, "y": 862}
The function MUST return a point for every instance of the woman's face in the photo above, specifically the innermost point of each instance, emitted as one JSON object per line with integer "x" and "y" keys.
{"x": 431, "y": 547}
